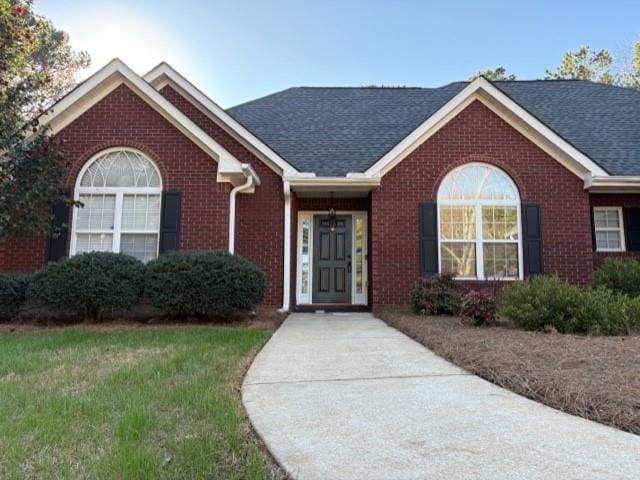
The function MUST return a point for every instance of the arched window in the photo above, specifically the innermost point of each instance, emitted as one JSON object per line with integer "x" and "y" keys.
{"x": 120, "y": 191}
{"x": 479, "y": 223}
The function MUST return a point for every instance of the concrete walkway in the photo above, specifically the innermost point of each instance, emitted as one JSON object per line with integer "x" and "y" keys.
{"x": 347, "y": 397}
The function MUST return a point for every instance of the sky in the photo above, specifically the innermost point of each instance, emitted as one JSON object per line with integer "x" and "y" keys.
{"x": 238, "y": 50}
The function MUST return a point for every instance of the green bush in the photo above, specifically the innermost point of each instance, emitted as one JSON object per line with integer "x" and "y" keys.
{"x": 437, "y": 295}
{"x": 619, "y": 275}
{"x": 478, "y": 308}
{"x": 203, "y": 283}
{"x": 540, "y": 301}
{"x": 604, "y": 312}
{"x": 88, "y": 285}
{"x": 13, "y": 290}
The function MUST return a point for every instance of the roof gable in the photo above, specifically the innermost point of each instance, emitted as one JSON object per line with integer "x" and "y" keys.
{"x": 163, "y": 74}
{"x": 334, "y": 131}
{"x": 116, "y": 73}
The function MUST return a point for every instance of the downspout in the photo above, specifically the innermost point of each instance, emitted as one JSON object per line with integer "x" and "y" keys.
{"x": 286, "y": 281}
{"x": 232, "y": 211}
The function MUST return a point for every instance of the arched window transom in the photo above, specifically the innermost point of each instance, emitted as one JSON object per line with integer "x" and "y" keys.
{"x": 120, "y": 190}
{"x": 479, "y": 224}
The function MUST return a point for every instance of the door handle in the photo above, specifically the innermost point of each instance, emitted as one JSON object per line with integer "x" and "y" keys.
{"x": 349, "y": 267}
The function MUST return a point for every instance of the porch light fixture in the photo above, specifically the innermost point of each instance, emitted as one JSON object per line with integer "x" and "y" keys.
{"x": 332, "y": 219}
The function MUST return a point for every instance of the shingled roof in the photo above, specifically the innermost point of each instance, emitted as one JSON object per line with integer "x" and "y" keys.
{"x": 333, "y": 131}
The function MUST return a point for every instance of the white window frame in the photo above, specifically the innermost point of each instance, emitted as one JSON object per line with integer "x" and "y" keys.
{"x": 119, "y": 193}
{"x": 356, "y": 298}
{"x": 479, "y": 241}
{"x": 620, "y": 229}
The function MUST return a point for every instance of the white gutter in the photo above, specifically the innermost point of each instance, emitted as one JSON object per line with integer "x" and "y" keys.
{"x": 612, "y": 183}
{"x": 286, "y": 281}
{"x": 232, "y": 204}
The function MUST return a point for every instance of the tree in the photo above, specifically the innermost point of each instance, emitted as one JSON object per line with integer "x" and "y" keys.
{"x": 498, "y": 73}
{"x": 37, "y": 67}
{"x": 629, "y": 73}
{"x": 584, "y": 64}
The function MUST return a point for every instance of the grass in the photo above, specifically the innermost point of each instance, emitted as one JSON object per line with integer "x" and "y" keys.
{"x": 589, "y": 376}
{"x": 158, "y": 402}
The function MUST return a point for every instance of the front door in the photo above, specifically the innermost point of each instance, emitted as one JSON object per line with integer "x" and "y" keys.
{"x": 331, "y": 260}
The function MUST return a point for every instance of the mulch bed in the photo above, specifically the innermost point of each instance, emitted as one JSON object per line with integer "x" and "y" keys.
{"x": 593, "y": 377}
{"x": 266, "y": 318}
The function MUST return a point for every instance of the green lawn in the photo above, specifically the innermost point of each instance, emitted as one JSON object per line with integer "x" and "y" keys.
{"x": 154, "y": 402}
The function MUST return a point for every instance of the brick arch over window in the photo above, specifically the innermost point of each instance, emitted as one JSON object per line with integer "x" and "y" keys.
{"x": 504, "y": 166}
{"x": 77, "y": 165}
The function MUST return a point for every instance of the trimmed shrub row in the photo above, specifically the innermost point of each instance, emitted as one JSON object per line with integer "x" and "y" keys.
{"x": 97, "y": 284}
{"x": 13, "y": 292}
{"x": 540, "y": 302}
{"x": 437, "y": 295}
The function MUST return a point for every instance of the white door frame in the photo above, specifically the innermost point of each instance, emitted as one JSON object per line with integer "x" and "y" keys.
{"x": 306, "y": 298}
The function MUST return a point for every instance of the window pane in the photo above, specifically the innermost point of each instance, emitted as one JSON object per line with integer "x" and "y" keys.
{"x": 477, "y": 182}
{"x": 97, "y": 213}
{"x": 612, "y": 219}
{"x": 359, "y": 255}
{"x": 141, "y": 212}
{"x": 608, "y": 240}
{"x": 305, "y": 255}
{"x": 457, "y": 223}
{"x": 500, "y": 260}
{"x": 458, "y": 258}
{"x": 600, "y": 218}
{"x": 500, "y": 223}
{"x": 122, "y": 168}
{"x": 142, "y": 246}
{"x": 94, "y": 242}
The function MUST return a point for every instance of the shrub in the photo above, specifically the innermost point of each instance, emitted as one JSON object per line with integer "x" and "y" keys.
{"x": 621, "y": 276}
{"x": 478, "y": 308}
{"x": 203, "y": 283}
{"x": 437, "y": 295}
{"x": 540, "y": 301}
{"x": 13, "y": 289}
{"x": 605, "y": 312}
{"x": 89, "y": 284}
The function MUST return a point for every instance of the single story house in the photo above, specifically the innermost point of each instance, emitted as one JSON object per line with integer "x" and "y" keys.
{"x": 345, "y": 196}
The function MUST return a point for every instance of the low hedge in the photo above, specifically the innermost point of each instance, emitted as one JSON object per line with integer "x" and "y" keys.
{"x": 619, "y": 275}
{"x": 539, "y": 302}
{"x": 203, "y": 283}
{"x": 89, "y": 285}
{"x": 437, "y": 295}
{"x": 13, "y": 291}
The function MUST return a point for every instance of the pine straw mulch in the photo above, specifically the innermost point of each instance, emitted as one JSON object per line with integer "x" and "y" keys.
{"x": 593, "y": 377}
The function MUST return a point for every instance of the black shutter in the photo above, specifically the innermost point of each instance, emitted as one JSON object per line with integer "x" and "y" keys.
{"x": 57, "y": 245}
{"x": 594, "y": 245}
{"x": 170, "y": 222}
{"x": 532, "y": 239}
{"x": 632, "y": 228}
{"x": 428, "y": 239}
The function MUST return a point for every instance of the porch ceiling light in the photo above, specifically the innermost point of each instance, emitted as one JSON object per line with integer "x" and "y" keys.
{"x": 332, "y": 219}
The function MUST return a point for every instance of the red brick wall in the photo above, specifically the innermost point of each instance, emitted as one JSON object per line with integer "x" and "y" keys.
{"x": 123, "y": 119}
{"x": 476, "y": 134}
{"x": 259, "y": 216}
{"x": 628, "y": 200}
{"x": 22, "y": 254}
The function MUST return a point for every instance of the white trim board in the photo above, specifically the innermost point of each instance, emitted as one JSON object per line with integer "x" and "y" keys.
{"x": 116, "y": 73}
{"x": 164, "y": 74}
{"x": 483, "y": 90}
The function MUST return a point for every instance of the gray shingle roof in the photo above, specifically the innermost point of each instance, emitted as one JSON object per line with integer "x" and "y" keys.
{"x": 333, "y": 131}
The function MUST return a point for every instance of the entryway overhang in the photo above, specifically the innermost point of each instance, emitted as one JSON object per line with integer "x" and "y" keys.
{"x": 340, "y": 187}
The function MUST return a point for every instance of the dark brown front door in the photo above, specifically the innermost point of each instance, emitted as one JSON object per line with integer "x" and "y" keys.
{"x": 331, "y": 260}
